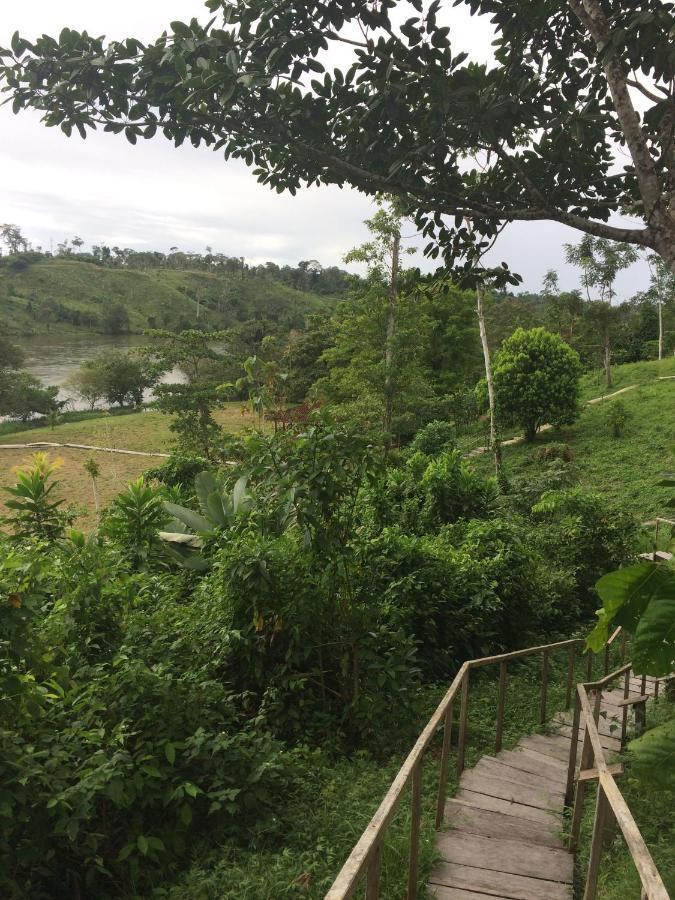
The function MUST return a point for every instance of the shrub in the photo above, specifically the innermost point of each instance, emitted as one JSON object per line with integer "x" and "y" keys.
{"x": 618, "y": 417}
{"x": 433, "y": 438}
{"x": 554, "y": 451}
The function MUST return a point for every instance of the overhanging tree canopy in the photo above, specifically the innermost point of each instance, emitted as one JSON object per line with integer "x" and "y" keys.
{"x": 532, "y": 137}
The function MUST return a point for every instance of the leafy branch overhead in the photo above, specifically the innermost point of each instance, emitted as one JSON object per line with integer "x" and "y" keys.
{"x": 532, "y": 136}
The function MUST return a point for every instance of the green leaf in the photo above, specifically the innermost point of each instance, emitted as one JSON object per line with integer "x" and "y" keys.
{"x": 625, "y": 593}
{"x": 205, "y": 484}
{"x": 170, "y": 752}
{"x": 653, "y": 755}
{"x": 188, "y": 517}
{"x": 142, "y": 844}
{"x": 654, "y": 642}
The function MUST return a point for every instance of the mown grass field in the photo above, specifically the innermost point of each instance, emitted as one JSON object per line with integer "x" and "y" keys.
{"x": 624, "y": 469}
{"x": 145, "y": 431}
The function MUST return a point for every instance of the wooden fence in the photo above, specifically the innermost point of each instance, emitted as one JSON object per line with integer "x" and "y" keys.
{"x": 610, "y": 807}
{"x": 364, "y": 860}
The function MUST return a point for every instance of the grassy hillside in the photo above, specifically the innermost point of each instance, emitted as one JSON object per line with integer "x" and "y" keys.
{"x": 65, "y": 295}
{"x": 624, "y": 469}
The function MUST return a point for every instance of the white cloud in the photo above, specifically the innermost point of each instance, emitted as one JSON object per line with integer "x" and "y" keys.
{"x": 154, "y": 195}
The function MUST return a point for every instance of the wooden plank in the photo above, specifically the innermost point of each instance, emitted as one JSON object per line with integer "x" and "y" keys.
{"x": 506, "y": 855}
{"x": 542, "y": 758}
{"x": 506, "y": 790}
{"x": 551, "y": 745}
{"x": 492, "y": 767}
{"x": 508, "y": 807}
{"x": 496, "y": 824}
{"x": 498, "y": 884}
{"x": 607, "y": 725}
{"x": 606, "y": 742}
{"x": 633, "y": 701}
{"x": 590, "y": 774}
{"x": 527, "y": 762}
{"x": 443, "y": 893}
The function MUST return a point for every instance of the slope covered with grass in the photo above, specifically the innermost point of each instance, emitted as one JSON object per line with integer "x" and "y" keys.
{"x": 65, "y": 295}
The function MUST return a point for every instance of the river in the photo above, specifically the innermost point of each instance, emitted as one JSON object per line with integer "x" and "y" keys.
{"x": 53, "y": 358}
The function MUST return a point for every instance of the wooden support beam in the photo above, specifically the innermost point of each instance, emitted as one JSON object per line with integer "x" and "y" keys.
{"x": 615, "y": 770}
{"x": 415, "y": 818}
{"x": 443, "y": 774}
{"x": 501, "y": 702}
{"x": 634, "y": 701}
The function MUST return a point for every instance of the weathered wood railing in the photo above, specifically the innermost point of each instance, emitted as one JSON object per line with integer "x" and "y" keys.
{"x": 365, "y": 858}
{"x": 610, "y": 804}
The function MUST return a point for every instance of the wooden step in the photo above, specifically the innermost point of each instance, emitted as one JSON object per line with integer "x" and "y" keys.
{"x": 462, "y": 817}
{"x": 532, "y": 762}
{"x": 443, "y": 893}
{"x": 542, "y": 758}
{"x": 495, "y": 884}
{"x": 503, "y": 854}
{"x": 507, "y": 790}
{"x": 492, "y": 767}
{"x": 551, "y": 745}
{"x": 509, "y": 807}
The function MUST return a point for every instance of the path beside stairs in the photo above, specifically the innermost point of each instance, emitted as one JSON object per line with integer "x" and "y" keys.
{"x": 505, "y": 822}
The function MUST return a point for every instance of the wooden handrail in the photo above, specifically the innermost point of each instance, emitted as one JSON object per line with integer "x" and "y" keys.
{"x": 610, "y": 803}
{"x": 365, "y": 858}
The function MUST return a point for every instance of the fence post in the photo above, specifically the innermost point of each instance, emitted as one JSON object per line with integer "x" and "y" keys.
{"x": 501, "y": 700}
{"x": 606, "y": 672}
{"x": 571, "y": 769}
{"x": 373, "y": 874}
{"x": 463, "y": 711}
{"x": 544, "y": 687}
{"x": 589, "y": 666}
{"x": 415, "y": 816}
{"x": 596, "y": 844}
{"x": 577, "y": 812}
{"x": 624, "y": 714}
{"x": 443, "y": 775}
{"x": 572, "y": 652}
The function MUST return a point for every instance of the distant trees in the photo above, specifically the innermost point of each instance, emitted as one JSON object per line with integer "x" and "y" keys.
{"x": 11, "y": 236}
{"x": 117, "y": 377}
{"x": 536, "y": 376}
{"x": 115, "y": 319}
{"x": 22, "y": 395}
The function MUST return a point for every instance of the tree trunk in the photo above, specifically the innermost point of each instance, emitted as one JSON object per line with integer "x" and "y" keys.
{"x": 391, "y": 335}
{"x": 659, "y": 305}
{"x": 608, "y": 361}
{"x": 494, "y": 437}
{"x": 95, "y": 492}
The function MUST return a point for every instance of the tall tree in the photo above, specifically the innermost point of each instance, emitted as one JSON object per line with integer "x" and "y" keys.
{"x": 531, "y": 137}
{"x": 661, "y": 290}
{"x": 12, "y": 237}
{"x": 382, "y": 255}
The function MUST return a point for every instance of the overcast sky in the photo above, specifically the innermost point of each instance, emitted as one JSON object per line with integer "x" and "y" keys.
{"x": 156, "y": 196}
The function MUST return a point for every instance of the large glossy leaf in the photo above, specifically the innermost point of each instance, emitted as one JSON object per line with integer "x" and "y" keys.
{"x": 190, "y": 518}
{"x": 240, "y": 498}
{"x": 653, "y": 755}
{"x": 654, "y": 642}
{"x": 216, "y": 506}
{"x": 626, "y": 592}
{"x": 205, "y": 484}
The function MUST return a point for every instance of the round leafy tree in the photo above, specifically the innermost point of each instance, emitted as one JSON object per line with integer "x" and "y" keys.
{"x": 536, "y": 378}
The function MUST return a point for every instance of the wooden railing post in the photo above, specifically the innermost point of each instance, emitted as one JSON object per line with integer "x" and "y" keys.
{"x": 606, "y": 672}
{"x": 501, "y": 701}
{"x": 589, "y": 666}
{"x": 544, "y": 687}
{"x": 624, "y": 714}
{"x": 579, "y": 793}
{"x": 443, "y": 774}
{"x": 571, "y": 769}
{"x": 596, "y": 844}
{"x": 415, "y": 818}
{"x": 571, "y": 657}
{"x": 463, "y": 712}
{"x": 373, "y": 874}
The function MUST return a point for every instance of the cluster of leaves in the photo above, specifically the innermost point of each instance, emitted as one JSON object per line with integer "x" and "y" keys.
{"x": 158, "y": 678}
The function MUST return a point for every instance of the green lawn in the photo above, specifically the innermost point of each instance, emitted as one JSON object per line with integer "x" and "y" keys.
{"x": 626, "y": 469}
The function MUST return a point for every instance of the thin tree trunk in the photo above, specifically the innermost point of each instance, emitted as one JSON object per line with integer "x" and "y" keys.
{"x": 660, "y": 308}
{"x": 494, "y": 437}
{"x": 391, "y": 335}
{"x": 96, "y": 503}
{"x": 608, "y": 361}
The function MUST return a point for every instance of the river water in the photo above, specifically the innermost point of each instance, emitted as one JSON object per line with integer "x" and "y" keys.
{"x": 53, "y": 358}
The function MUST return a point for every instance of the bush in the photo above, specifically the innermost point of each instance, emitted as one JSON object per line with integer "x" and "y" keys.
{"x": 554, "y": 451}
{"x": 433, "y": 438}
{"x": 618, "y": 417}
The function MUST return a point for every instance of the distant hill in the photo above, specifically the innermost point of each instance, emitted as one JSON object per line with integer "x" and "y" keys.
{"x": 62, "y": 294}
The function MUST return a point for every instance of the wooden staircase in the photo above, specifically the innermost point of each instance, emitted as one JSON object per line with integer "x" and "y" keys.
{"x": 505, "y": 838}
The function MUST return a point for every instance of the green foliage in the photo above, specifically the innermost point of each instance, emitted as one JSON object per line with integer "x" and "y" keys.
{"x": 617, "y": 417}
{"x": 35, "y": 512}
{"x": 433, "y": 438}
{"x": 536, "y": 376}
{"x": 23, "y": 396}
{"x": 653, "y": 756}
{"x": 117, "y": 377}
{"x": 133, "y": 521}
